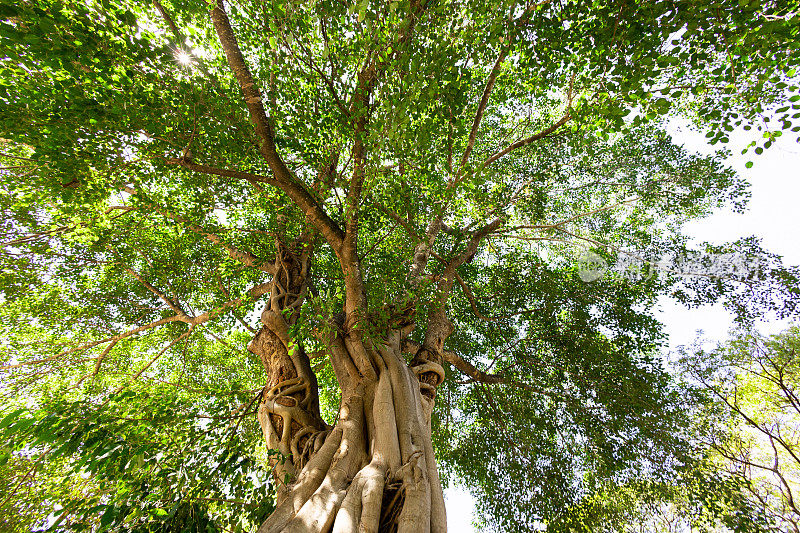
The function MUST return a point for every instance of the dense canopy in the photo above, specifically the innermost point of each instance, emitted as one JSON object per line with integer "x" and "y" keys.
{"x": 262, "y": 261}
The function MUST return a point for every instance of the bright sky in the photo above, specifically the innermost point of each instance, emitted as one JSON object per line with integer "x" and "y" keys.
{"x": 773, "y": 215}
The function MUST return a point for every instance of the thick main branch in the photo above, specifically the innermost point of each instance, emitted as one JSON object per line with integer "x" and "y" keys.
{"x": 284, "y": 180}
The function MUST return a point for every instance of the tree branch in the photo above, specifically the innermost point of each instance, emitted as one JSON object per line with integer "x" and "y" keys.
{"x": 473, "y": 304}
{"x": 282, "y": 176}
{"x": 252, "y": 95}
{"x": 524, "y": 142}
{"x": 244, "y": 257}
{"x": 148, "y": 365}
{"x": 487, "y": 91}
{"x": 92, "y": 344}
{"x": 490, "y": 81}
{"x": 160, "y": 295}
{"x": 477, "y": 375}
{"x": 238, "y": 174}
{"x": 252, "y": 294}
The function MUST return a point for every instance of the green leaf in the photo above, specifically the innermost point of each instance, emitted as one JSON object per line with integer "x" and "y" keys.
{"x": 10, "y": 417}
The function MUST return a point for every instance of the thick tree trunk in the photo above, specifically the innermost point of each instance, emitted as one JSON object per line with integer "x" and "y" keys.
{"x": 374, "y": 470}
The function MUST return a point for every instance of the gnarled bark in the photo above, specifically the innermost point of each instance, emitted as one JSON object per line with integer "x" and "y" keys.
{"x": 289, "y": 409}
{"x": 374, "y": 470}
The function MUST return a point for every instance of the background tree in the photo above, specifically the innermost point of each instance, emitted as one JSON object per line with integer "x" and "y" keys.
{"x": 752, "y": 416}
{"x": 219, "y": 211}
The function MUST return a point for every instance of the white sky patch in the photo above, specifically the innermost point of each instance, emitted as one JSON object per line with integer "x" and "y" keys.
{"x": 460, "y": 507}
{"x": 221, "y": 216}
{"x": 772, "y": 215}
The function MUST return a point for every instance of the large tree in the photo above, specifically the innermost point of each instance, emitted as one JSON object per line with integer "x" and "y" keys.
{"x": 384, "y": 202}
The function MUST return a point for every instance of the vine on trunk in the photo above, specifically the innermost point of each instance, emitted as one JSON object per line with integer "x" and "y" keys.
{"x": 374, "y": 469}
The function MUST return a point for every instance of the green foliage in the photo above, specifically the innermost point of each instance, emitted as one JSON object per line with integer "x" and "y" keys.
{"x": 143, "y": 461}
{"x": 703, "y": 501}
{"x": 105, "y": 230}
{"x": 749, "y": 418}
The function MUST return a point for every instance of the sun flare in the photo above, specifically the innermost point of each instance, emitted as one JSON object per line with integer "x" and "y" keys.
{"x": 183, "y": 58}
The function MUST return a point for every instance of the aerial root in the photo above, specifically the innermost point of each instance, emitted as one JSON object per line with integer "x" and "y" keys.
{"x": 361, "y": 508}
{"x": 296, "y": 439}
{"x": 410, "y": 471}
{"x": 392, "y": 506}
{"x": 307, "y": 483}
{"x": 274, "y": 391}
{"x": 311, "y": 446}
{"x": 372, "y": 498}
{"x": 319, "y": 510}
{"x": 429, "y": 366}
{"x": 349, "y": 514}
